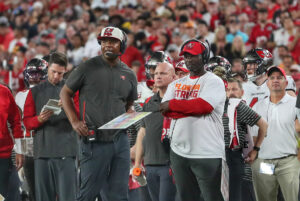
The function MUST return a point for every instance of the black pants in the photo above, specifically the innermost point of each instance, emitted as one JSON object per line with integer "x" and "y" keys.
{"x": 5, "y": 164}
{"x": 55, "y": 179}
{"x": 193, "y": 176}
{"x": 29, "y": 175}
{"x": 236, "y": 165}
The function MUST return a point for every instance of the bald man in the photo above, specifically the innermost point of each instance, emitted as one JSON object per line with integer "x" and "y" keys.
{"x": 148, "y": 143}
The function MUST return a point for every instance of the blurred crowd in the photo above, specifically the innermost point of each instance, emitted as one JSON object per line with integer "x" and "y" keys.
{"x": 30, "y": 29}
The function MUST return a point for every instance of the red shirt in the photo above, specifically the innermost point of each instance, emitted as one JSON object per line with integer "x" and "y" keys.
{"x": 6, "y": 39}
{"x": 296, "y": 51}
{"x": 258, "y": 32}
{"x": 132, "y": 54}
{"x": 9, "y": 114}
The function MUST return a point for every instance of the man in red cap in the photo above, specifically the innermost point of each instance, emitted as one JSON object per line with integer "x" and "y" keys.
{"x": 196, "y": 103}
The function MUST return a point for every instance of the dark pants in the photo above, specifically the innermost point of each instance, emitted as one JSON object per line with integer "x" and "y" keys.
{"x": 193, "y": 176}
{"x": 102, "y": 162}
{"x": 160, "y": 183}
{"x": 248, "y": 193}
{"x": 55, "y": 179}
{"x": 13, "y": 185}
{"x": 236, "y": 165}
{"x": 29, "y": 175}
{"x": 5, "y": 164}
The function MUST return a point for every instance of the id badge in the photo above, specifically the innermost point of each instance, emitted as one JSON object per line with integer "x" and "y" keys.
{"x": 267, "y": 168}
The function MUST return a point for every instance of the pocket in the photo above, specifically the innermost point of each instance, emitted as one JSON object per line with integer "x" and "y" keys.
{"x": 85, "y": 151}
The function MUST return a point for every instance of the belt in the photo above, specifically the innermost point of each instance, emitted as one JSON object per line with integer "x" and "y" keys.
{"x": 282, "y": 157}
{"x": 235, "y": 150}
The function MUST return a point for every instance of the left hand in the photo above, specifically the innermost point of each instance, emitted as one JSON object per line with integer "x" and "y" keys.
{"x": 59, "y": 103}
{"x": 251, "y": 157}
{"x": 164, "y": 107}
{"x": 130, "y": 110}
{"x": 19, "y": 161}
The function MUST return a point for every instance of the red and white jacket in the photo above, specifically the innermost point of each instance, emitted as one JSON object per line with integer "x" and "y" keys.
{"x": 10, "y": 119}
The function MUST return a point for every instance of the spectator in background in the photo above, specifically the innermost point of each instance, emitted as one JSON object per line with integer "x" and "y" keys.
{"x": 279, "y": 52}
{"x": 287, "y": 62}
{"x": 220, "y": 46}
{"x": 91, "y": 47}
{"x": 282, "y": 35}
{"x": 234, "y": 30}
{"x": 20, "y": 38}
{"x": 204, "y": 32}
{"x": 212, "y": 16}
{"x": 237, "y": 49}
{"x": 294, "y": 43}
{"x": 75, "y": 56}
{"x": 261, "y": 32}
{"x": 131, "y": 55}
{"x": 190, "y": 31}
{"x": 6, "y": 34}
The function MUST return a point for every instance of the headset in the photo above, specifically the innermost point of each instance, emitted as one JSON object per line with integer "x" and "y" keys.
{"x": 205, "y": 54}
{"x": 123, "y": 42}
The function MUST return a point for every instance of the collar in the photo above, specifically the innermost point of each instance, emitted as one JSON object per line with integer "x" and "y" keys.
{"x": 156, "y": 97}
{"x": 285, "y": 99}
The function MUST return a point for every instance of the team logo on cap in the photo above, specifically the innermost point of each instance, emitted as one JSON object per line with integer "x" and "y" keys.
{"x": 190, "y": 45}
{"x": 108, "y": 32}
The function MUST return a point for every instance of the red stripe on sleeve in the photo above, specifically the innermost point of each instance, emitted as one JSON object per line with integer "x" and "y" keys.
{"x": 196, "y": 106}
{"x": 30, "y": 120}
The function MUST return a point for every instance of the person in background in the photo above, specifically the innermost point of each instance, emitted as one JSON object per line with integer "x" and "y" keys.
{"x": 181, "y": 69}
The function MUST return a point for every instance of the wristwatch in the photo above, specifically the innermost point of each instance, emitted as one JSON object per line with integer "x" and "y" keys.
{"x": 256, "y": 148}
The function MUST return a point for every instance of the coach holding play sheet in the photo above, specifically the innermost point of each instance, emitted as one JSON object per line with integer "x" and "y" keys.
{"x": 107, "y": 89}
{"x": 54, "y": 142}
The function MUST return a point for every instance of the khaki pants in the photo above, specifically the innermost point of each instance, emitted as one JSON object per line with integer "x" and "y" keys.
{"x": 286, "y": 176}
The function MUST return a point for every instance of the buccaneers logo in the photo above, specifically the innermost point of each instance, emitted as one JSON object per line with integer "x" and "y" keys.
{"x": 108, "y": 32}
{"x": 190, "y": 45}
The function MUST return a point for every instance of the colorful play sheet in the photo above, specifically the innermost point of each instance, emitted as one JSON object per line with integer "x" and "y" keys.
{"x": 125, "y": 120}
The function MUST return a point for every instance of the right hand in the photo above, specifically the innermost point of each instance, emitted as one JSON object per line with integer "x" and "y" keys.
{"x": 45, "y": 115}
{"x": 136, "y": 166}
{"x": 81, "y": 128}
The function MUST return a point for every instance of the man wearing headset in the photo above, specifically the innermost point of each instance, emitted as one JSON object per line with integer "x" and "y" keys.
{"x": 107, "y": 88}
{"x": 196, "y": 103}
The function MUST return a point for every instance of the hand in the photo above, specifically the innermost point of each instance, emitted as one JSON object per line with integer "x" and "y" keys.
{"x": 164, "y": 107}
{"x": 81, "y": 128}
{"x": 44, "y": 116}
{"x": 251, "y": 156}
{"x": 19, "y": 161}
{"x": 136, "y": 166}
{"x": 59, "y": 103}
{"x": 130, "y": 110}
{"x": 298, "y": 155}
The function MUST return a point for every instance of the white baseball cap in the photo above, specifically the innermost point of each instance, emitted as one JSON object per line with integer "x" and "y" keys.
{"x": 111, "y": 32}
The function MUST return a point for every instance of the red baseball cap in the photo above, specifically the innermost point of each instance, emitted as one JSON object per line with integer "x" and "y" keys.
{"x": 193, "y": 47}
{"x": 276, "y": 68}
